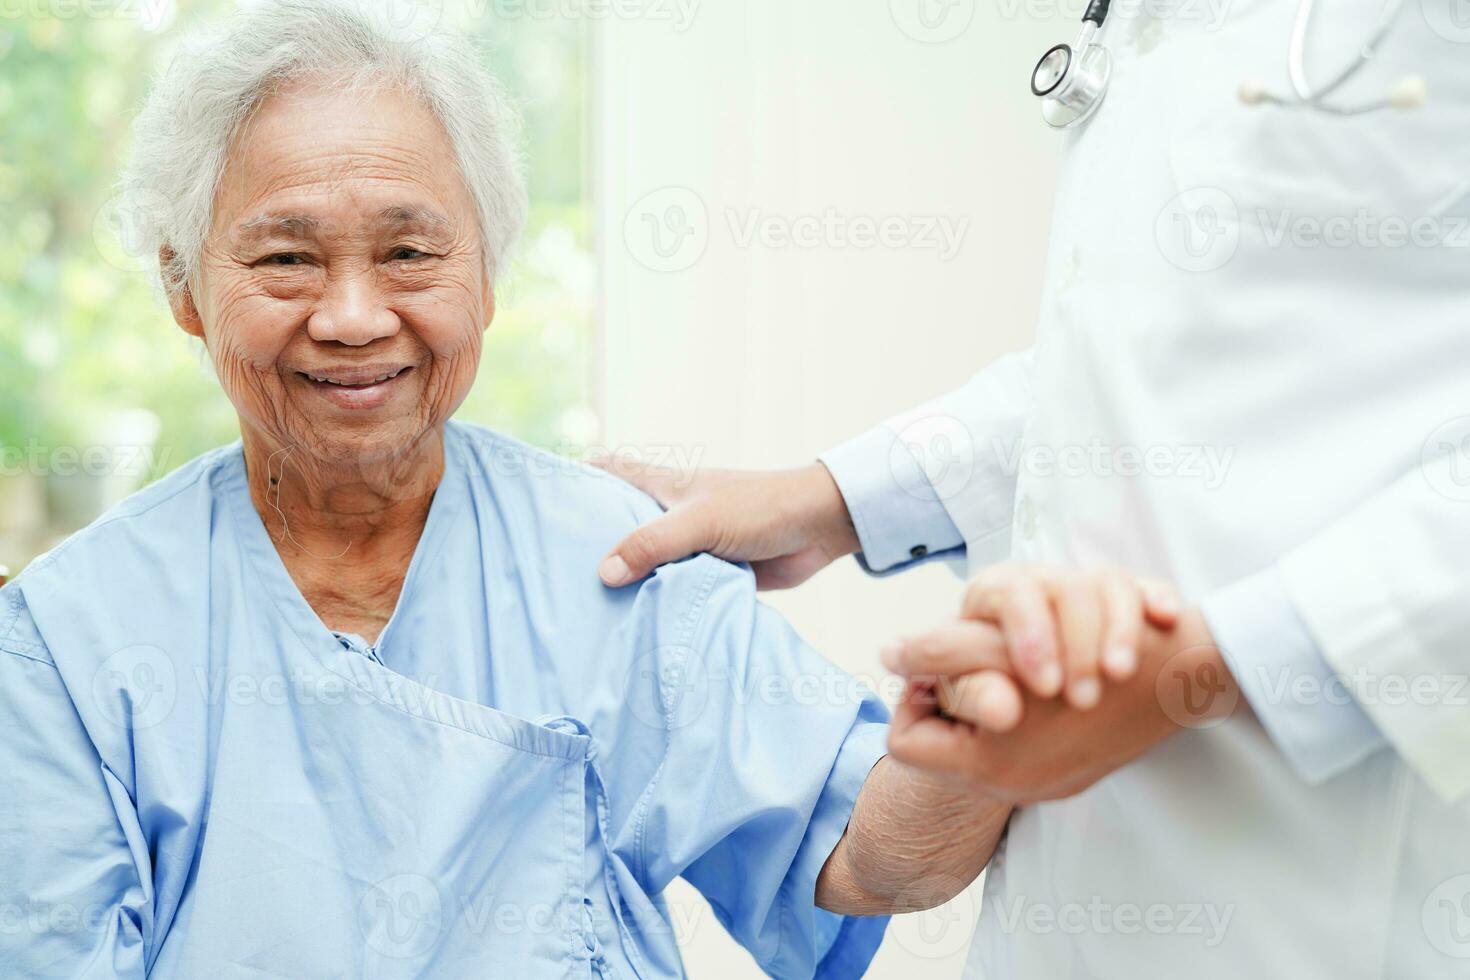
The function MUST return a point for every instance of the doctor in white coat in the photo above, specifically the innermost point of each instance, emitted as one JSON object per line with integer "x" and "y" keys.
{"x": 1251, "y": 379}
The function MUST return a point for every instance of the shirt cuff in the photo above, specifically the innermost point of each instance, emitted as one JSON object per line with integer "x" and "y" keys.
{"x": 1304, "y": 705}
{"x": 899, "y": 519}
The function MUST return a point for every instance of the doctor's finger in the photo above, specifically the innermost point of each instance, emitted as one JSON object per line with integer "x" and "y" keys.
{"x": 672, "y": 536}
{"x": 960, "y": 647}
{"x": 1024, "y": 612}
{"x": 1123, "y": 613}
{"x": 1080, "y": 619}
{"x": 989, "y": 699}
{"x": 978, "y": 602}
{"x": 1160, "y": 602}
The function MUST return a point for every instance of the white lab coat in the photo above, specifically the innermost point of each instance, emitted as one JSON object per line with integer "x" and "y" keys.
{"x": 1330, "y": 379}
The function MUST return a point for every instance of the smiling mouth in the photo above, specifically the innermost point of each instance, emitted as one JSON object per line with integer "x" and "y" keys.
{"x": 354, "y": 379}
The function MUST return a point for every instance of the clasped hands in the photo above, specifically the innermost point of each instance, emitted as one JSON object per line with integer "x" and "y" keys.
{"x": 1052, "y": 678}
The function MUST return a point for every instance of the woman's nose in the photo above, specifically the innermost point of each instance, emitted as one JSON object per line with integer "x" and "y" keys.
{"x": 352, "y": 312}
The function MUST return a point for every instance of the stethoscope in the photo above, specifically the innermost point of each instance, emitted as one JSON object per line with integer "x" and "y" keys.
{"x": 1072, "y": 79}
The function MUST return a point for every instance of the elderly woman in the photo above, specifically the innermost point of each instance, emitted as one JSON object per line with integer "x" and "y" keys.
{"x": 343, "y": 698}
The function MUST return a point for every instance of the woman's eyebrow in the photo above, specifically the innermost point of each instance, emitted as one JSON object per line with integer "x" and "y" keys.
{"x": 406, "y": 217}
{"x": 297, "y": 224}
{"x": 286, "y": 225}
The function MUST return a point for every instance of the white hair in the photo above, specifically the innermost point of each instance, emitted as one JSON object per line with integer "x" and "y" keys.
{"x": 225, "y": 70}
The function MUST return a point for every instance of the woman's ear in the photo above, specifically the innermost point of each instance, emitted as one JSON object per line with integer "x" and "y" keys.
{"x": 181, "y": 301}
{"x": 488, "y": 297}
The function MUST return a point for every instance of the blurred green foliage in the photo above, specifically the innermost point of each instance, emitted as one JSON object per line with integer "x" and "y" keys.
{"x": 84, "y": 334}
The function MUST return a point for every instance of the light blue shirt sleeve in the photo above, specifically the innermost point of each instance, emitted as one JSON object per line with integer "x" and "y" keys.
{"x": 1303, "y": 704}
{"x": 770, "y": 746}
{"x": 899, "y": 519}
{"x": 73, "y": 899}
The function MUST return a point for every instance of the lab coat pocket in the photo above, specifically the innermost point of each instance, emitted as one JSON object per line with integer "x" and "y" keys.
{"x": 1368, "y": 178}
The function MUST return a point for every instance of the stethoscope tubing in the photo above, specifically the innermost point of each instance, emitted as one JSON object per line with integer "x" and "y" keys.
{"x": 1306, "y": 96}
{"x": 1296, "y": 64}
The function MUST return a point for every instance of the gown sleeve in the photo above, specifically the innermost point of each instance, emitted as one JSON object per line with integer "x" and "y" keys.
{"x": 73, "y": 902}
{"x": 767, "y": 746}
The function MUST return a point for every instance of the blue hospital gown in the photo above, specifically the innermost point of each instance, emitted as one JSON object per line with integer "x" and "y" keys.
{"x": 202, "y": 780}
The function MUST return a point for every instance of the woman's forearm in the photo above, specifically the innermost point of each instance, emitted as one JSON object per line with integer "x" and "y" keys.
{"x": 914, "y": 841}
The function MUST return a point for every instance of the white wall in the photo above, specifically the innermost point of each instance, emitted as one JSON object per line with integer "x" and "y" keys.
{"x": 757, "y": 354}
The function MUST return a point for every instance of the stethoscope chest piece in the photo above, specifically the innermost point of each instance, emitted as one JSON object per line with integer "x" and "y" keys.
{"x": 1071, "y": 85}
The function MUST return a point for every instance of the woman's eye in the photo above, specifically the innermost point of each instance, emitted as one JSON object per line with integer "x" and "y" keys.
{"x": 283, "y": 258}
{"x": 406, "y": 254}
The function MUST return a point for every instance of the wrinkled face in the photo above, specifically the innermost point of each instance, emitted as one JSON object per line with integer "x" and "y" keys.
{"x": 342, "y": 292}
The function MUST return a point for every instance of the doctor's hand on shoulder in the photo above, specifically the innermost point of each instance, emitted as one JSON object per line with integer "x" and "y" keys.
{"x": 788, "y": 524}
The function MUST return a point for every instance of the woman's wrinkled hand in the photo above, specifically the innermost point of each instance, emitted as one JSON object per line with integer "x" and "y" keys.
{"x": 965, "y": 667}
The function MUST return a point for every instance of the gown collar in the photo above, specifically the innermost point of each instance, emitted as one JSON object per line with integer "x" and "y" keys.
{"x": 266, "y": 564}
